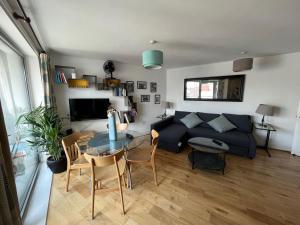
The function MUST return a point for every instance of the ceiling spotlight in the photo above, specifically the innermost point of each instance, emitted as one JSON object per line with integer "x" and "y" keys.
{"x": 244, "y": 52}
{"x": 152, "y": 42}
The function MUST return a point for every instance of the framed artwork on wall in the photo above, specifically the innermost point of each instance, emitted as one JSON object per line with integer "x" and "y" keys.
{"x": 156, "y": 99}
{"x": 145, "y": 98}
{"x": 130, "y": 86}
{"x": 91, "y": 78}
{"x": 153, "y": 87}
{"x": 141, "y": 84}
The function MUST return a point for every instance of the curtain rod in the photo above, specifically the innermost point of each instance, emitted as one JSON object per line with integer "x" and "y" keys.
{"x": 27, "y": 20}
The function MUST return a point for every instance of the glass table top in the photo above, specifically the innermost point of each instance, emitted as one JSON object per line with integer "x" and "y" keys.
{"x": 100, "y": 145}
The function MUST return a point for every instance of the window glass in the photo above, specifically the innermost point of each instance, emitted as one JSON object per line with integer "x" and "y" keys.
{"x": 15, "y": 101}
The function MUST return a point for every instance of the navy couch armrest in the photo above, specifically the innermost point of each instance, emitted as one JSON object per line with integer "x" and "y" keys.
{"x": 158, "y": 126}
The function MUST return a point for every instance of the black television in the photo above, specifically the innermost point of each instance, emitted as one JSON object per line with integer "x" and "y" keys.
{"x": 88, "y": 108}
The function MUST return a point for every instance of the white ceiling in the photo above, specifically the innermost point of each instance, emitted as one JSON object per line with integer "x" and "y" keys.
{"x": 190, "y": 32}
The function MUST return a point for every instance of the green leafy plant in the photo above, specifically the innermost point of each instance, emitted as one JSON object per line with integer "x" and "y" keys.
{"x": 45, "y": 127}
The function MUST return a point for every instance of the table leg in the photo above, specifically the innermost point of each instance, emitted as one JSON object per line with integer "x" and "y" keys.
{"x": 129, "y": 180}
{"x": 266, "y": 147}
{"x": 128, "y": 168}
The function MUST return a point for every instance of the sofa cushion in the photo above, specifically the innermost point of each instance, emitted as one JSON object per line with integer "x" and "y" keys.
{"x": 206, "y": 117}
{"x": 172, "y": 133}
{"x": 191, "y": 120}
{"x": 242, "y": 122}
{"x": 221, "y": 124}
{"x": 233, "y": 137}
{"x": 179, "y": 115}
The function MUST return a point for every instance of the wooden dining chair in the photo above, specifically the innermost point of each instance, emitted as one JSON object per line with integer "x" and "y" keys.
{"x": 121, "y": 127}
{"x": 144, "y": 156}
{"x": 74, "y": 159}
{"x": 104, "y": 169}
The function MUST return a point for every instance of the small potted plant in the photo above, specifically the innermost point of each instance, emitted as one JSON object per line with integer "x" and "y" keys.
{"x": 45, "y": 128}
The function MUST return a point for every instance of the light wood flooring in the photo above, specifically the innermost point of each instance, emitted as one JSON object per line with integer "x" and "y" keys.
{"x": 260, "y": 191}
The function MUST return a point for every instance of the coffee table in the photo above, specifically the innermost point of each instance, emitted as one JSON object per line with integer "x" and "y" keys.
{"x": 208, "y": 153}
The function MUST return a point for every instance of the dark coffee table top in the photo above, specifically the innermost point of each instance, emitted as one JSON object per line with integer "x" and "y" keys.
{"x": 208, "y": 145}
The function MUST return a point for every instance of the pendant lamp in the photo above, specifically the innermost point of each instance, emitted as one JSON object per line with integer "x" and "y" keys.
{"x": 152, "y": 59}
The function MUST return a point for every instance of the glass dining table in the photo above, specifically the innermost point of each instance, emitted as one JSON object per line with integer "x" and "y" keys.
{"x": 100, "y": 145}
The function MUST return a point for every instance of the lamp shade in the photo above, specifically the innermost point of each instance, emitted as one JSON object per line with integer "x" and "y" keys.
{"x": 152, "y": 59}
{"x": 167, "y": 105}
{"x": 266, "y": 110}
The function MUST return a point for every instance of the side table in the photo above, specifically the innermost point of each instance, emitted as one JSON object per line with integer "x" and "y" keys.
{"x": 269, "y": 128}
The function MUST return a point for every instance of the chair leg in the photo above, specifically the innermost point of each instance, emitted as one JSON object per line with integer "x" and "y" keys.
{"x": 121, "y": 194}
{"x": 93, "y": 198}
{"x": 79, "y": 172}
{"x": 154, "y": 172}
{"x": 124, "y": 180}
{"x": 68, "y": 180}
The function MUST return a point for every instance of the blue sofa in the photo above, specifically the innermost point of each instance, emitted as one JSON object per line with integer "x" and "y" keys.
{"x": 173, "y": 134}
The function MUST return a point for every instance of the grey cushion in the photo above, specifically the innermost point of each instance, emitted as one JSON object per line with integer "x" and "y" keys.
{"x": 206, "y": 117}
{"x": 191, "y": 120}
{"x": 221, "y": 124}
{"x": 179, "y": 115}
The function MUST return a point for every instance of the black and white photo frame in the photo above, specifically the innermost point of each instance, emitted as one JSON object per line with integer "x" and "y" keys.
{"x": 141, "y": 84}
{"x": 130, "y": 86}
{"x": 145, "y": 98}
{"x": 156, "y": 99}
{"x": 153, "y": 87}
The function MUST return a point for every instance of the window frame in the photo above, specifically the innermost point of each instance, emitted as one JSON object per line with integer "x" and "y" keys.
{"x": 11, "y": 45}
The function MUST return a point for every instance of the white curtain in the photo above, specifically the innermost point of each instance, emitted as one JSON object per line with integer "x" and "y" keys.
{"x": 6, "y": 95}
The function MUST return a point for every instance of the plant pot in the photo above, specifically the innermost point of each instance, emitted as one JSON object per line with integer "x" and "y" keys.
{"x": 57, "y": 166}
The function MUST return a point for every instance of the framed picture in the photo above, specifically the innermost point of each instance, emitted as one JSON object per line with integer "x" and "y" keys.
{"x": 91, "y": 78}
{"x": 142, "y": 85}
{"x": 145, "y": 98}
{"x": 153, "y": 87}
{"x": 130, "y": 86}
{"x": 156, "y": 99}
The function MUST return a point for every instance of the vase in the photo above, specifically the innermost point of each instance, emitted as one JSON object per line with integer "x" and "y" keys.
{"x": 112, "y": 130}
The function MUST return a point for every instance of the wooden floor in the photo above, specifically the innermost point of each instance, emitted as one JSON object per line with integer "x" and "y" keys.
{"x": 260, "y": 191}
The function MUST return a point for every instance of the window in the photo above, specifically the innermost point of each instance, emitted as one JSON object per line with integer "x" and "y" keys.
{"x": 15, "y": 101}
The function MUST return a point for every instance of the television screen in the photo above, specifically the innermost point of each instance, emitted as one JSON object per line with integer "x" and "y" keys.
{"x": 88, "y": 108}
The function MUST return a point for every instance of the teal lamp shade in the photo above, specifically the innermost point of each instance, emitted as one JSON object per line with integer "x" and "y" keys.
{"x": 152, "y": 59}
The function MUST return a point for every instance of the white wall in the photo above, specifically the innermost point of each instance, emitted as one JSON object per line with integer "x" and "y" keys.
{"x": 125, "y": 72}
{"x": 273, "y": 80}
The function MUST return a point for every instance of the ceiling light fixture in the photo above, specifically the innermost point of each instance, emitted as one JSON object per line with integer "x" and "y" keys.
{"x": 152, "y": 59}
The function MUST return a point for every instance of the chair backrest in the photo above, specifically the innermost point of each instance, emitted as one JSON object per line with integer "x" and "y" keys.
{"x": 87, "y": 134}
{"x": 71, "y": 148}
{"x": 122, "y": 126}
{"x": 103, "y": 161}
{"x": 154, "y": 135}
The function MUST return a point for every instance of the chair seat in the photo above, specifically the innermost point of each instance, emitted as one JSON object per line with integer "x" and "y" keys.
{"x": 81, "y": 161}
{"x": 109, "y": 172}
{"x": 139, "y": 155}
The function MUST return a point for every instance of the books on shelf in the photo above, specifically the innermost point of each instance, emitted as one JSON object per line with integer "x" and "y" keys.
{"x": 60, "y": 78}
{"x": 119, "y": 91}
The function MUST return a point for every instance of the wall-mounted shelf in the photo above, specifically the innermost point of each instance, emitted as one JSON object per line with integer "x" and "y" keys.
{"x": 78, "y": 83}
{"x": 63, "y": 73}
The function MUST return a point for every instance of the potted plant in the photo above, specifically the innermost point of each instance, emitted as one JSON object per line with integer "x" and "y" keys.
{"x": 45, "y": 128}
